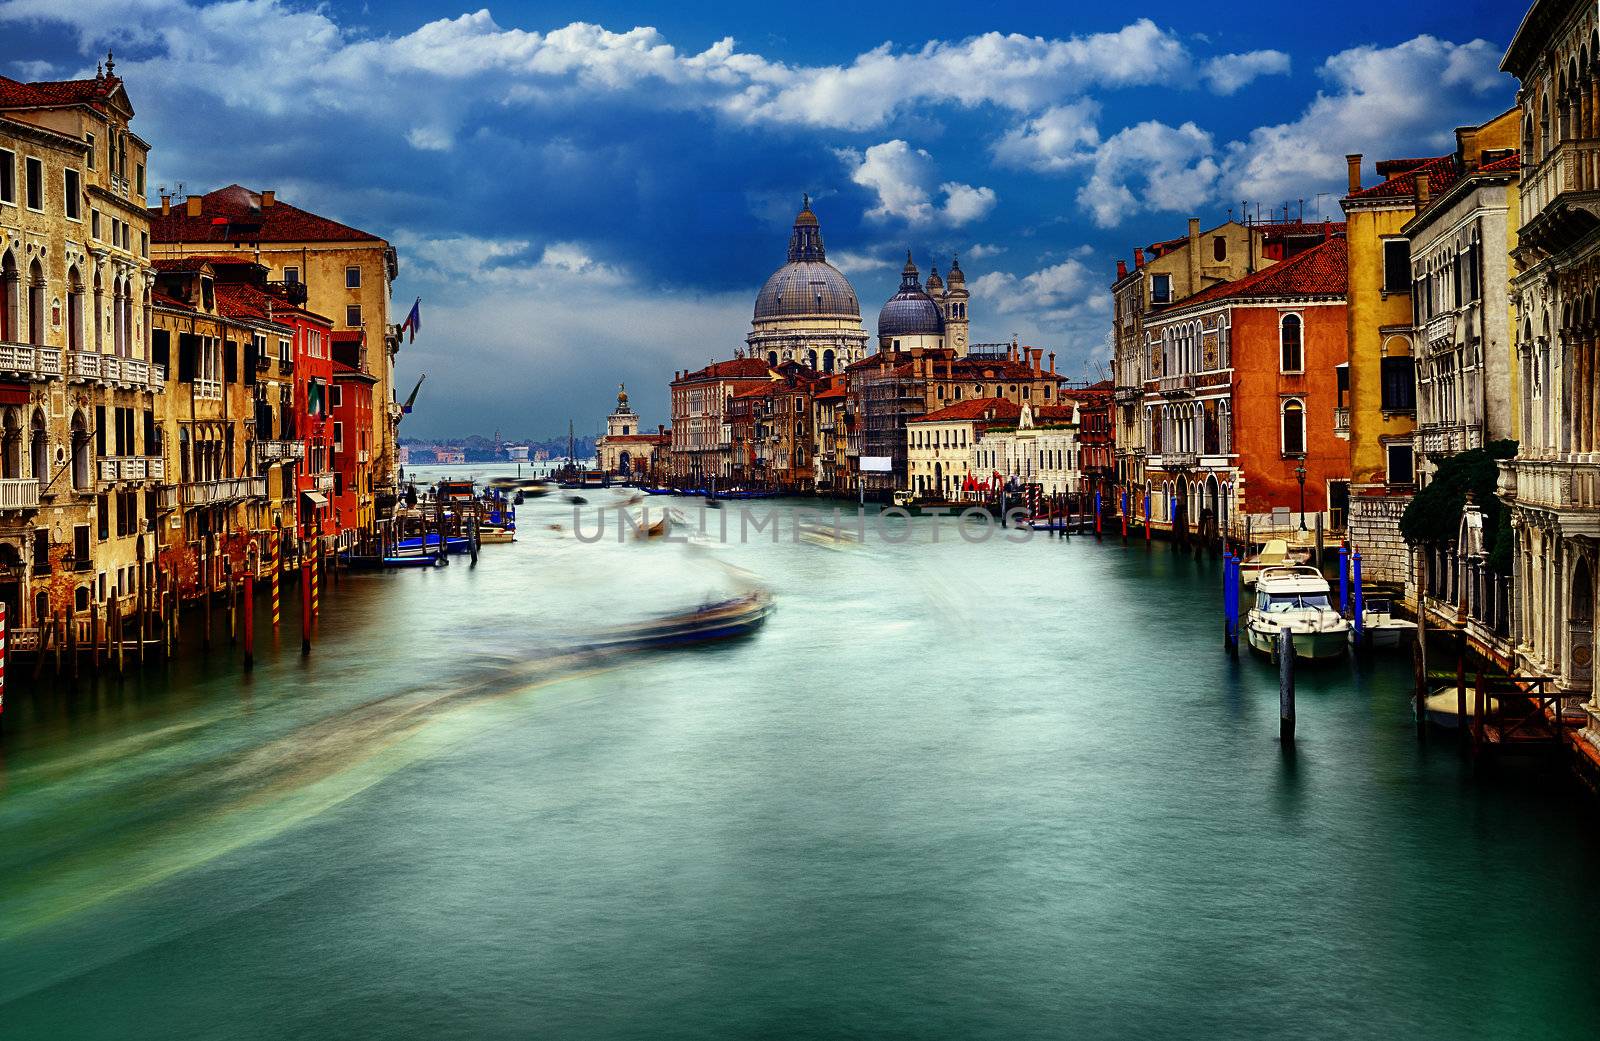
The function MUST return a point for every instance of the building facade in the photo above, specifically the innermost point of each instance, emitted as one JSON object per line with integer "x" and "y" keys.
{"x": 1553, "y": 486}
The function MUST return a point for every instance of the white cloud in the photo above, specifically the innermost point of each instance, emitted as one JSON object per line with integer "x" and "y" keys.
{"x": 852, "y": 262}
{"x": 902, "y": 178}
{"x": 984, "y": 249}
{"x": 1059, "y": 138}
{"x": 1383, "y": 101}
{"x": 434, "y": 75}
{"x": 1150, "y": 167}
{"x": 1228, "y": 73}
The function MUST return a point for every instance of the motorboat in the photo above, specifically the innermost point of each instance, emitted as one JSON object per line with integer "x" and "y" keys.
{"x": 1383, "y": 630}
{"x": 364, "y": 562}
{"x": 723, "y": 620}
{"x": 496, "y": 536}
{"x": 1444, "y": 704}
{"x": 1296, "y": 598}
{"x": 1274, "y": 553}
{"x": 430, "y": 544}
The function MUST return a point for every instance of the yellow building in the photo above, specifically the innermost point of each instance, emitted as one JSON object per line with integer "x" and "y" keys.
{"x": 347, "y": 274}
{"x": 79, "y": 397}
{"x": 1377, "y": 407}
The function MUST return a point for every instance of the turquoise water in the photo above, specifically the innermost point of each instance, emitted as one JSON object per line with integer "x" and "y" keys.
{"x": 951, "y": 790}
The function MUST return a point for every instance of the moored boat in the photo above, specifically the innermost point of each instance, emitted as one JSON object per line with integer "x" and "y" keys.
{"x": 1274, "y": 553}
{"x": 430, "y": 543}
{"x": 1383, "y": 630}
{"x": 1296, "y": 599}
{"x": 1444, "y": 704}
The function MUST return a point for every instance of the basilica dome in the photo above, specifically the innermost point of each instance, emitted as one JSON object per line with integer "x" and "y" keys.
{"x": 807, "y": 286}
{"x": 911, "y": 311}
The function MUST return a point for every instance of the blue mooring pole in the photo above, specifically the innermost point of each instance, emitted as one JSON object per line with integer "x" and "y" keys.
{"x": 1344, "y": 579}
{"x": 1360, "y": 615}
{"x": 1229, "y": 604}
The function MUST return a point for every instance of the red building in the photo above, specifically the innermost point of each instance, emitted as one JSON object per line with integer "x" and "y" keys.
{"x": 1239, "y": 413}
{"x": 351, "y": 409}
{"x": 296, "y": 431}
{"x": 1096, "y": 440}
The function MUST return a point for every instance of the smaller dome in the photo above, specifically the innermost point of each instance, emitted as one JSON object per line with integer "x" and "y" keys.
{"x": 934, "y": 283}
{"x": 911, "y": 311}
{"x": 956, "y": 277}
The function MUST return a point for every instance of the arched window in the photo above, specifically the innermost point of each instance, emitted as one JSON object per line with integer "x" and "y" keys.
{"x": 80, "y": 453}
{"x": 811, "y": 358}
{"x": 1290, "y": 353}
{"x": 36, "y": 315}
{"x": 10, "y": 299}
{"x": 74, "y": 310}
{"x": 39, "y": 449}
{"x": 1294, "y": 427}
{"x": 772, "y": 359}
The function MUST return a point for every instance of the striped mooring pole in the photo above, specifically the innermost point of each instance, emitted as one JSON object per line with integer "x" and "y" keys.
{"x": 3, "y": 661}
{"x": 277, "y": 601}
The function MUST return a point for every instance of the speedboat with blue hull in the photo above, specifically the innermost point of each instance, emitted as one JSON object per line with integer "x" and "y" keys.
{"x": 357, "y": 562}
{"x": 416, "y": 544}
{"x": 725, "y": 620}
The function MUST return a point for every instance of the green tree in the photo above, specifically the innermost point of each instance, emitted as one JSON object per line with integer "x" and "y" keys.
{"x": 1433, "y": 517}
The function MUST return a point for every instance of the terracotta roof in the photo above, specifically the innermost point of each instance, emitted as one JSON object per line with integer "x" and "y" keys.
{"x": 1049, "y": 413}
{"x": 1295, "y": 228}
{"x": 1401, "y": 175}
{"x": 346, "y": 336}
{"x": 1158, "y": 248}
{"x": 193, "y": 262}
{"x": 237, "y": 300}
{"x": 1512, "y": 162}
{"x": 998, "y": 410}
{"x": 15, "y": 94}
{"x": 764, "y": 391}
{"x": 1322, "y": 270}
{"x": 749, "y": 368}
{"x": 160, "y": 299}
{"x": 235, "y": 214}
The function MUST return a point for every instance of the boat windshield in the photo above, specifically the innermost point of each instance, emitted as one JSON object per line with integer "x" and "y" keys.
{"x": 1272, "y": 603}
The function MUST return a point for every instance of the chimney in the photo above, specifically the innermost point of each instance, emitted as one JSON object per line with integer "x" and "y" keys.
{"x": 1052, "y": 363}
{"x": 1122, "y": 270}
{"x": 267, "y": 199}
{"x": 192, "y": 206}
{"x": 1353, "y": 161}
{"x": 166, "y": 205}
{"x": 1419, "y": 185}
{"x": 1138, "y": 256}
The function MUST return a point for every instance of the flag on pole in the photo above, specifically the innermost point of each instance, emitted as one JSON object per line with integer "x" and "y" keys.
{"x": 413, "y": 320}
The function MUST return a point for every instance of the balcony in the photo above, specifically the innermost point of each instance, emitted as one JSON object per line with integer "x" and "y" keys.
{"x": 1443, "y": 439}
{"x": 294, "y": 292}
{"x": 108, "y": 369}
{"x": 230, "y": 489}
{"x": 19, "y": 493}
{"x": 1179, "y": 386}
{"x": 83, "y": 365}
{"x": 1554, "y": 484}
{"x": 208, "y": 390}
{"x": 1570, "y": 169}
{"x": 1128, "y": 395}
{"x": 1341, "y": 420}
{"x": 325, "y": 482}
{"x": 274, "y": 451}
{"x": 30, "y": 362}
{"x": 131, "y": 468}
{"x": 1440, "y": 330}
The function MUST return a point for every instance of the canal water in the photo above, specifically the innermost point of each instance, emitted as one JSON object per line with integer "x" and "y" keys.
{"x": 951, "y": 790}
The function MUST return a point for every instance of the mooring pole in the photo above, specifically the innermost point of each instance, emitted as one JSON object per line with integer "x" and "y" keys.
{"x": 305, "y": 606}
{"x": 1285, "y": 685}
{"x": 1360, "y": 618}
{"x": 1344, "y": 580}
{"x": 1097, "y": 513}
{"x": 1227, "y": 603}
{"x": 1147, "y": 517}
{"x": 249, "y": 620}
{"x": 1422, "y": 643}
{"x": 1124, "y": 516}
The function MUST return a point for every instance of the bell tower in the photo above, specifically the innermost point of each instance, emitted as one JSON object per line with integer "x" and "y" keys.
{"x": 623, "y": 419}
{"x": 954, "y": 303}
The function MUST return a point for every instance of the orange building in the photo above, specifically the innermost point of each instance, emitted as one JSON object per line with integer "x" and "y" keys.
{"x": 1244, "y": 406}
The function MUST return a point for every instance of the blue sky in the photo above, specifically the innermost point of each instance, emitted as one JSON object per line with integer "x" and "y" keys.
{"x": 590, "y": 193}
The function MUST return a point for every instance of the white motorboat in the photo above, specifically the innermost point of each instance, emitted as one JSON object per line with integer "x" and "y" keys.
{"x": 1444, "y": 703}
{"x": 1274, "y": 553}
{"x": 1296, "y": 599}
{"x": 1384, "y": 630}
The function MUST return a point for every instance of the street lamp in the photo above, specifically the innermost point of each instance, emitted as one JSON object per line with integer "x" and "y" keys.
{"x": 1300, "y": 475}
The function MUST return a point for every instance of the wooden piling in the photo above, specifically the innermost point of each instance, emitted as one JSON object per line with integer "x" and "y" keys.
{"x": 94, "y": 636}
{"x": 249, "y": 621}
{"x": 1461, "y": 686}
{"x": 1285, "y": 686}
{"x": 1422, "y": 645}
{"x": 233, "y": 608}
{"x": 305, "y": 608}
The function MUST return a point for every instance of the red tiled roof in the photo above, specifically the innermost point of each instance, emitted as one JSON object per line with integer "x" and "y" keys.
{"x": 1048, "y": 413}
{"x": 1158, "y": 248}
{"x": 1322, "y": 270}
{"x": 748, "y": 368}
{"x": 763, "y": 391}
{"x": 193, "y": 262}
{"x": 346, "y": 336}
{"x": 15, "y": 94}
{"x": 1401, "y": 175}
{"x": 1511, "y": 162}
{"x": 235, "y": 213}
{"x": 160, "y": 299}
{"x": 998, "y": 410}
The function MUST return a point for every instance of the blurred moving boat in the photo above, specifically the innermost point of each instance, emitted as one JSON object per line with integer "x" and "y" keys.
{"x": 725, "y": 620}
{"x": 496, "y": 536}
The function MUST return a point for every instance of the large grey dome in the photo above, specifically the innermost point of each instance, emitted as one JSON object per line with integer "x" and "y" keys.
{"x": 807, "y": 285}
{"x": 911, "y": 311}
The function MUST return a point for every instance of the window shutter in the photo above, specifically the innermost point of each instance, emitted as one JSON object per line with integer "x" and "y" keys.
{"x": 188, "y": 356}
{"x": 230, "y": 362}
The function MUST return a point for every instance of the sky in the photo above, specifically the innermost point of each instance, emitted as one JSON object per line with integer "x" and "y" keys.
{"x": 588, "y": 194}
